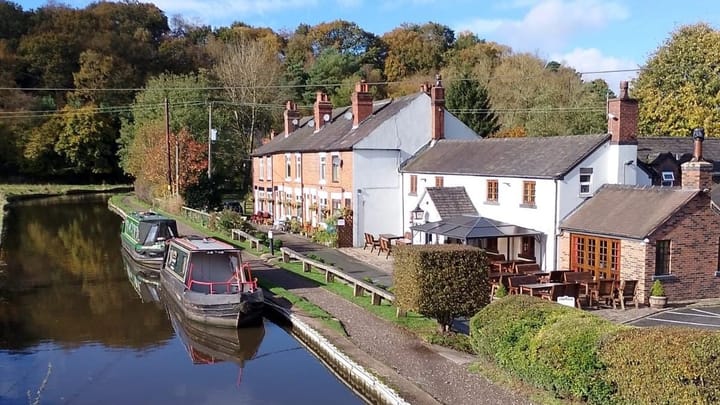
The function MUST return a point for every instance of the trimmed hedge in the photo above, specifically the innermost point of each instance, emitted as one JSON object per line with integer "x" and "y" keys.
{"x": 575, "y": 354}
{"x": 441, "y": 281}
{"x": 664, "y": 366}
{"x": 549, "y": 345}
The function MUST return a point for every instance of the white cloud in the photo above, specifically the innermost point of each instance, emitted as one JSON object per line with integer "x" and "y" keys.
{"x": 549, "y": 24}
{"x": 230, "y": 10}
{"x": 593, "y": 60}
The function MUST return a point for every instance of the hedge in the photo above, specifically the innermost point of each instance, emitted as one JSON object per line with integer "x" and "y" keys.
{"x": 664, "y": 366}
{"x": 549, "y": 345}
{"x": 441, "y": 281}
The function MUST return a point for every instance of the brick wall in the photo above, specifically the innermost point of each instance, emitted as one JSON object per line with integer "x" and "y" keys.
{"x": 564, "y": 251}
{"x": 693, "y": 231}
{"x": 634, "y": 265}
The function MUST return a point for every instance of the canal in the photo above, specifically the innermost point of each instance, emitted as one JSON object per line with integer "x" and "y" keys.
{"x": 77, "y": 326}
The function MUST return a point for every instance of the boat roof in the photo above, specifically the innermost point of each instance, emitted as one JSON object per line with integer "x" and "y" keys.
{"x": 199, "y": 243}
{"x": 149, "y": 216}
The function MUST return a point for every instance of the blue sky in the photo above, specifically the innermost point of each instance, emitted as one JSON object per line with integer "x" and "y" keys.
{"x": 590, "y": 35}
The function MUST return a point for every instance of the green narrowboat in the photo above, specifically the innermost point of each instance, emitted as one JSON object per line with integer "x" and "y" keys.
{"x": 143, "y": 237}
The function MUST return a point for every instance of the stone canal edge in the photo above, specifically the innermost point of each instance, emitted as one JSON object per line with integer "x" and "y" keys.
{"x": 380, "y": 360}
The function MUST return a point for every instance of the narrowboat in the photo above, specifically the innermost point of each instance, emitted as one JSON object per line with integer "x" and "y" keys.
{"x": 143, "y": 236}
{"x": 208, "y": 281}
{"x": 145, "y": 287}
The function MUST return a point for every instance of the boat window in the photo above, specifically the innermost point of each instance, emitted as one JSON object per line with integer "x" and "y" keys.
{"x": 152, "y": 234}
{"x": 176, "y": 262}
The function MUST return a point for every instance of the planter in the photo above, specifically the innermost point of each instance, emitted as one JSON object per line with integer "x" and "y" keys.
{"x": 657, "y": 302}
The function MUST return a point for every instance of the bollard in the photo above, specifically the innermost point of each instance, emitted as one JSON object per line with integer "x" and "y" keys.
{"x": 272, "y": 245}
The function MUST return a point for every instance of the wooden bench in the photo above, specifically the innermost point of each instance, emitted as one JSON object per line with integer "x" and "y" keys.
{"x": 527, "y": 268}
{"x": 372, "y": 242}
{"x": 385, "y": 247}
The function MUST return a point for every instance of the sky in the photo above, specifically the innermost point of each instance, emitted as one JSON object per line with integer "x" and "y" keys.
{"x": 589, "y": 35}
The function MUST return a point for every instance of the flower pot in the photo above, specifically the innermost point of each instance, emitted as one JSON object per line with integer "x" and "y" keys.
{"x": 658, "y": 302}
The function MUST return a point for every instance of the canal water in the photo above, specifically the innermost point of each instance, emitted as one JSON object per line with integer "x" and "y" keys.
{"x": 77, "y": 326}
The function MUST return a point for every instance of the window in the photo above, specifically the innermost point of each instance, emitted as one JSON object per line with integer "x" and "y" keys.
{"x": 585, "y": 180}
{"x": 527, "y": 247}
{"x": 662, "y": 257}
{"x": 413, "y": 184}
{"x": 268, "y": 165}
{"x": 599, "y": 256}
{"x": 489, "y": 244}
{"x": 261, "y": 172}
{"x": 298, "y": 166}
{"x": 288, "y": 167}
{"x": 668, "y": 179}
{"x": 176, "y": 262}
{"x": 492, "y": 191}
{"x": 528, "y": 193}
{"x": 335, "y": 168}
{"x": 323, "y": 164}
{"x": 439, "y": 182}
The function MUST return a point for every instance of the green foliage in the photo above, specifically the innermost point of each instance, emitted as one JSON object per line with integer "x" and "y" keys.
{"x": 325, "y": 237}
{"x": 663, "y": 366}
{"x": 501, "y": 291}
{"x": 457, "y": 341}
{"x": 204, "y": 195}
{"x": 226, "y": 220}
{"x": 657, "y": 289}
{"x": 441, "y": 281}
{"x": 469, "y": 101}
{"x": 546, "y": 344}
{"x": 679, "y": 87}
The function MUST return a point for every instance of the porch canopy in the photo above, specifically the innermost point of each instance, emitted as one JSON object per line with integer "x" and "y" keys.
{"x": 465, "y": 227}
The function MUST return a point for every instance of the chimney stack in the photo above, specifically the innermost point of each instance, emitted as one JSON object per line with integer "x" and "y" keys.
{"x": 623, "y": 118}
{"x": 697, "y": 173}
{"x": 362, "y": 103}
{"x": 437, "y": 104}
{"x": 322, "y": 110}
{"x": 272, "y": 134}
{"x": 292, "y": 117}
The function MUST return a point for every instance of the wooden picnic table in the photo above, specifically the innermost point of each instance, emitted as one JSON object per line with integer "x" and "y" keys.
{"x": 391, "y": 237}
{"x": 496, "y": 275}
{"x": 532, "y": 288}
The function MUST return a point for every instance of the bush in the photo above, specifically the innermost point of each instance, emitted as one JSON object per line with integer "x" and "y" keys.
{"x": 226, "y": 220}
{"x": 456, "y": 341}
{"x": 501, "y": 291}
{"x": 657, "y": 289}
{"x": 663, "y": 366}
{"x": 549, "y": 345}
{"x": 441, "y": 281}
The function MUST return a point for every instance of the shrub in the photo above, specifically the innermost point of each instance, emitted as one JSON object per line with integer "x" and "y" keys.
{"x": 441, "y": 281}
{"x": 549, "y": 345}
{"x": 457, "y": 341}
{"x": 663, "y": 366}
{"x": 501, "y": 291}
{"x": 277, "y": 244}
{"x": 657, "y": 289}
{"x": 226, "y": 220}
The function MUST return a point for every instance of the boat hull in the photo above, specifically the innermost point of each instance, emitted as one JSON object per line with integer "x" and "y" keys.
{"x": 222, "y": 310}
{"x": 150, "y": 265}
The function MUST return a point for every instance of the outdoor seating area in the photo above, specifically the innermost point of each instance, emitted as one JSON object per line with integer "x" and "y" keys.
{"x": 384, "y": 242}
{"x": 261, "y": 218}
{"x": 579, "y": 286}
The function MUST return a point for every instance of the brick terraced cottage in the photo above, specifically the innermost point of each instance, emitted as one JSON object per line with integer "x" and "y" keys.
{"x": 348, "y": 158}
{"x": 651, "y": 232}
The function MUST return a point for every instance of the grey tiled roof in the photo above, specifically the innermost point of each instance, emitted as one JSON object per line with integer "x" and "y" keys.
{"x": 627, "y": 211}
{"x": 451, "y": 201}
{"x": 338, "y": 133}
{"x": 535, "y": 157}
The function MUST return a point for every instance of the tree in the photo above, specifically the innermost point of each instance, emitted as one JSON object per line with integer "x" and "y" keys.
{"x": 679, "y": 87}
{"x": 87, "y": 140}
{"x": 329, "y": 70}
{"x": 468, "y": 100}
{"x": 414, "y": 48}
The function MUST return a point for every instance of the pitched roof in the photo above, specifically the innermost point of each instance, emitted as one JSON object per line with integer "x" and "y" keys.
{"x": 650, "y": 148}
{"x": 536, "y": 157}
{"x": 627, "y": 211}
{"x": 451, "y": 201}
{"x": 337, "y": 134}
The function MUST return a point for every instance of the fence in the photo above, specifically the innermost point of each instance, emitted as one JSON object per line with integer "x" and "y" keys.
{"x": 377, "y": 294}
{"x": 199, "y": 217}
{"x": 237, "y": 234}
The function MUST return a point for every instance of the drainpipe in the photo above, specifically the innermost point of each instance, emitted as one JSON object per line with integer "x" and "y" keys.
{"x": 555, "y": 227}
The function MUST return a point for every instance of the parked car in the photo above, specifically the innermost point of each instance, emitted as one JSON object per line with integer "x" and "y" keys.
{"x": 234, "y": 206}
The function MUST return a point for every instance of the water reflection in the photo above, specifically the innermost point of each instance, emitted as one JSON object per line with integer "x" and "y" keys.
{"x": 63, "y": 280}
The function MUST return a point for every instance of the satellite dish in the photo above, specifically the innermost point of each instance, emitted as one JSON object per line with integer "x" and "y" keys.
{"x": 348, "y": 115}
{"x": 295, "y": 121}
{"x": 326, "y": 117}
{"x": 311, "y": 123}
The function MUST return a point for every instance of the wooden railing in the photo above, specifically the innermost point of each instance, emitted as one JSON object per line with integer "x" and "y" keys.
{"x": 377, "y": 294}
{"x": 237, "y": 234}
{"x": 199, "y": 217}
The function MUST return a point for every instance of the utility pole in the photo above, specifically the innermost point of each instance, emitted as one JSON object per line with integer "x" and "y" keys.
{"x": 167, "y": 142}
{"x": 177, "y": 168}
{"x": 209, "y": 139}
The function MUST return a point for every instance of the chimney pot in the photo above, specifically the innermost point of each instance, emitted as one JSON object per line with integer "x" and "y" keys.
{"x": 698, "y": 138}
{"x": 291, "y": 117}
{"x": 362, "y": 103}
{"x": 437, "y": 106}
{"x": 321, "y": 108}
{"x": 624, "y": 90}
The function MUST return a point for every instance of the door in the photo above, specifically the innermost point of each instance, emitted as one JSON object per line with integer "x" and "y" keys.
{"x": 599, "y": 256}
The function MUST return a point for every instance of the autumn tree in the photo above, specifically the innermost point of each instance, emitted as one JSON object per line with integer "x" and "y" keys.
{"x": 679, "y": 87}
{"x": 414, "y": 48}
{"x": 468, "y": 100}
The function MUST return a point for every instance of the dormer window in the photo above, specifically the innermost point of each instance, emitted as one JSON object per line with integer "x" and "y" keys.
{"x": 668, "y": 179}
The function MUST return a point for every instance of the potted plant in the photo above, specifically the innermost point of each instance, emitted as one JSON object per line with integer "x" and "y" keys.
{"x": 658, "y": 299}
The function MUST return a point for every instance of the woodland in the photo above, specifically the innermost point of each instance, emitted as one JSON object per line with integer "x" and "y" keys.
{"x": 96, "y": 94}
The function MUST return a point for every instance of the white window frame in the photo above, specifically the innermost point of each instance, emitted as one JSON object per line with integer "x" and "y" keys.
{"x": 586, "y": 171}
{"x": 268, "y": 167}
{"x": 335, "y": 175}
{"x": 323, "y": 168}
{"x": 298, "y": 166}
{"x": 667, "y": 179}
{"x": 288, "y": 167}
{"x": 261, "y": 172}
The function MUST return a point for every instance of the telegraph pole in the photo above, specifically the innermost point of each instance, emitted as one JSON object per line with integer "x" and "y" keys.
{"x": 209, "y": 139}
{"x": 167, "y": 142}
